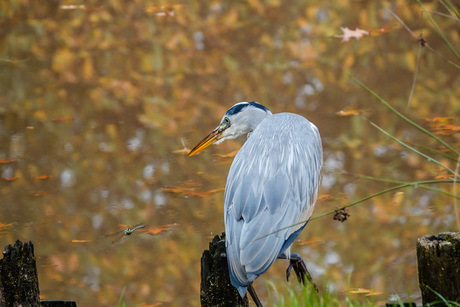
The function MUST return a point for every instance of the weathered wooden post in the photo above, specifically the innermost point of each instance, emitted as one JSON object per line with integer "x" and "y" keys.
{"x": 438, "y": 260}
{"x": 18, "y": 276}
{"x": 216, "y": 289}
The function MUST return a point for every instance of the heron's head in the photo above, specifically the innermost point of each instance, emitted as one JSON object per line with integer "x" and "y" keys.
{"x": 240, "y": 119}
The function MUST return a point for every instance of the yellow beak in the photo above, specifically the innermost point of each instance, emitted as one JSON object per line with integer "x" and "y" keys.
{"x": 213, "y": 137}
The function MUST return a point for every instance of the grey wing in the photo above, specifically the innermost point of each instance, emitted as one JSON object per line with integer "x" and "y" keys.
{"x": 272, "y": 184}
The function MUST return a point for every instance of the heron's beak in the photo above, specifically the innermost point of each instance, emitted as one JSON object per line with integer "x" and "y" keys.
{"x": 213, "y": 137}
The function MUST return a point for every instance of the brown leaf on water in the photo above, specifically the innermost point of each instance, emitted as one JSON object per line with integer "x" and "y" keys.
{"x": 444, "y": 177}
{"x": 43, "y": 177}
{"x": 154, "y": 230}
{"x": 72, "y": 7}
{"x": 226, "y": 156}
{"x": 9, "y": 179}
{"x": 349, "y": 112}
{"x": 204, "y": 193}
{"x": 443, "y": 119}
{"x": 167, "y": 10}
{"x": 191, "y": 190}
{"x": 81, "y": 241}
{"x": 38, "y": 194}
{"x": 4, "y": 227}
{"x": 443, "y": 125}
{"x": 447, "y": 129}
{"x": 62, "y": 119}
{"x": 307, "y": 242}
{"x": 383, "y": 30}
{"x": 176, "y": 190}
{"x": 6, "y": 161}
{"x": 361, "y": 291}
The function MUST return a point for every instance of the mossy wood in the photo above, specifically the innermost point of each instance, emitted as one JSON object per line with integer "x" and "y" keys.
{"x": 438, "y": 260}
{"x": 18, "y": 276}
{"x": 216, "y": 289}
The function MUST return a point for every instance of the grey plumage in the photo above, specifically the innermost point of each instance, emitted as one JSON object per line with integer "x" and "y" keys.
{"x": 272, "y": 184}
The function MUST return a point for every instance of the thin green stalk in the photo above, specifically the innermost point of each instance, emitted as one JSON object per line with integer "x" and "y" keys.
{"x": 401, "y": 186}
{"x": 414, "y": 150}
{"x": 420, "y": 185}
{"x": 425, "y": 45}
{"x": 451, "y": 8}
{"x": 404, "y": 117}
{"x": 439, "y": 30}
{"x": 120, "y": 300}
{"x": 437, "y": 152}
{"x": 442, "y": 299}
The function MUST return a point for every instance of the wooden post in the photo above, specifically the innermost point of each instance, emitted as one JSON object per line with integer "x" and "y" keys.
{"x": 438, "y": 260}
{"x": 216, "y": 289}
{"x": 18, "y": 276}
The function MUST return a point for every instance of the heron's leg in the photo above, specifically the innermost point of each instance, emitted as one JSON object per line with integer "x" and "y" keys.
{"x": 300, "y": 268}
{"x": 254, "y": 296}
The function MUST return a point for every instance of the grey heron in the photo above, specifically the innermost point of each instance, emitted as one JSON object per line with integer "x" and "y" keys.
{"x": 271, "y": 189}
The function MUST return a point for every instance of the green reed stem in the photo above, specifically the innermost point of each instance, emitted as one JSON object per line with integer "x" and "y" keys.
{"x": 404, "y": 117}
{"x": 439, "y": 30}
{"x": 413, "y": 149}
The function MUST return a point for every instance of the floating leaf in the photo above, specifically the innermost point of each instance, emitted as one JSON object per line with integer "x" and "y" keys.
{"x": 367, "y": 292}
{"x": 226, "y": 156}
{"x": 154, "y": 230}
{"x": 43, "y": 177}
{"x": 167, "y": 10}
{"x": 37, "y": 194}
{"x": 9, "y": 179}
{"x": 81, "y": 241}
{"x": 6, "y": 161}
{"x": 360, "y": 291}
{"x": 4, "y": 226}
{"x": 349, "y": 112}
{"x": 383, "y": 30}
{"x": 62, "y": 119}
{"x": 72, "y": 7}
{"x": 348, "y": 34}
{"x": 307, "y": 242}
{"x": 191, "y": 191}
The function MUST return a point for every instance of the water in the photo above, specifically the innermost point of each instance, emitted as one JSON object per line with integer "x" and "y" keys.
{"x": 99, "y": 103}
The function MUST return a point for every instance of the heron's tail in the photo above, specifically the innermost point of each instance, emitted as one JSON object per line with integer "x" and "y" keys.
{"x": 242, "y": 291}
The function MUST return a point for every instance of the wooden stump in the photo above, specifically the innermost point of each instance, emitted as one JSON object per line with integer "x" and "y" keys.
{"x": 438, "y": 260}
{"x": 18, "y": 276}
{"x": 216, "y": 289}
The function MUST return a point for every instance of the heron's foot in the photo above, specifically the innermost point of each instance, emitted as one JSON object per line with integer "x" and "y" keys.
{"x": 296, "y": 262}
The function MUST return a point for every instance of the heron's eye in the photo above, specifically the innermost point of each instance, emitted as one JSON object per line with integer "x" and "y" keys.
{"x": 227, "y": 121}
